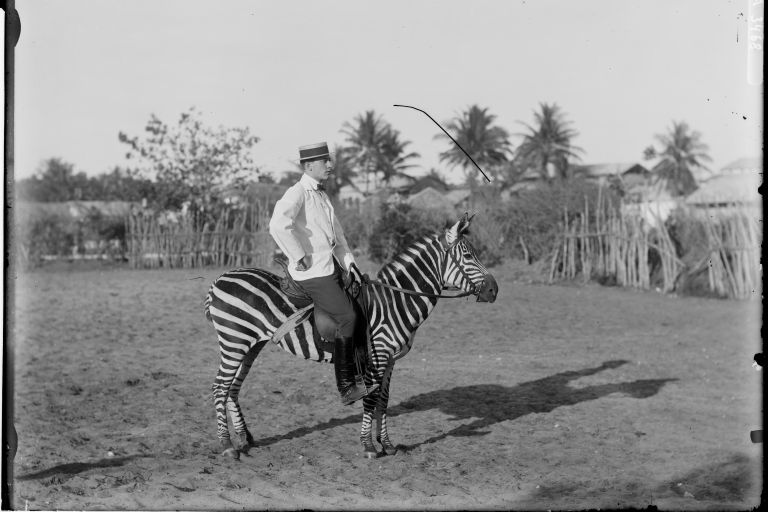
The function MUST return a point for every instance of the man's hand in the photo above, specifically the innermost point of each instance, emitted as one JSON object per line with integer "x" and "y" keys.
{"x": 346, "y": 278}
{"x": 304, "y": 263}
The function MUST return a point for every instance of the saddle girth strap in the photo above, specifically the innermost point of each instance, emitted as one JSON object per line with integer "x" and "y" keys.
{"x": 292, "y": 322}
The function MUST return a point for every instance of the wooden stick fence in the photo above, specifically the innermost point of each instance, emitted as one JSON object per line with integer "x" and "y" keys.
{"x": 238, "y": 238}
{"x": 618, "y": 245}
{"x": 734, "y": 254}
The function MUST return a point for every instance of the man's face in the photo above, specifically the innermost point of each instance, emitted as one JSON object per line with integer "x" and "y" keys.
{"x": 319, "y": 169}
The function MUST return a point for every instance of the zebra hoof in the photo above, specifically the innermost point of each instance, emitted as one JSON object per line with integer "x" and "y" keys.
{"x": 370, "y": 455}
{"x": 243, "y": 445}
{"x": 231, "y": 453}
{"x": 389, "y": 450}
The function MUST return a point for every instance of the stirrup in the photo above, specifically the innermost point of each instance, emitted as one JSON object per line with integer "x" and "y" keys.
{"x": 355, "y": 392}
{"x": 360, "y": 382}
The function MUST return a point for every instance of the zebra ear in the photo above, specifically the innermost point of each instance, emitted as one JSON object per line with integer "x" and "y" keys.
{"x": 462, "y": 227}
{"x": 459, "y": 229}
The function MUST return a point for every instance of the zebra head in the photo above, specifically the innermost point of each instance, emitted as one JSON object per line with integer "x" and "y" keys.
{"x": 461, "y": 268}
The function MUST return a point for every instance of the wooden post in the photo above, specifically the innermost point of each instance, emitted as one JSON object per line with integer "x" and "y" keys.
{"x": 12, "y": 32}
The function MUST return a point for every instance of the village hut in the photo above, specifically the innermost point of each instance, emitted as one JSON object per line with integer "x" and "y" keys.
{"x": 733, "y": 188}
{"x": 624, "y": 175}
{"x": 652, "y": 201}
{"x": 430, "y": 199}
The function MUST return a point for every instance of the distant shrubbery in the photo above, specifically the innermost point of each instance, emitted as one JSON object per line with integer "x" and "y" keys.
{"x": 49, "y": 234}
{"x": 552, "y": 224}
{"x": 522, "y": 227}
{"x": 359, "y": 224}
{"x": 53, "y": 234}
{"x": 398, "y": 226}
{"x": 527, "y": 225}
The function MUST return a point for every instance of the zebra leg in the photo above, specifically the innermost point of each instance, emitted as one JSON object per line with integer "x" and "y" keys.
{"x": 382, "y": 435}
{"x": 244, "y": 438}
{"x": 231, "y": 355}
{"x": 369, "y": 408}
{"x": 219, "y": 402}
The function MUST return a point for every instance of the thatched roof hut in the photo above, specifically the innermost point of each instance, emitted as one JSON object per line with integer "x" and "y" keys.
{"x": 736, "y": 183}
{"x": 431, "y": 199}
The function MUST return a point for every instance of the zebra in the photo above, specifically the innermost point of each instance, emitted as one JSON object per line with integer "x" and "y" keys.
{"x": 247, "y": 307}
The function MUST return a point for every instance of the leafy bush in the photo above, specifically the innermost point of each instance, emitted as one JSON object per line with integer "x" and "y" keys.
{"x": 359, "y": 224}
{"x": 488, "y": 236}
{"x": 526, "y": 226}
{"x": 400, "y": 225}
{"x": 45, "y": 235}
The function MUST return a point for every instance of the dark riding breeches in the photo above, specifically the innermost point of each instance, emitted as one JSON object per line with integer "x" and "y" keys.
{"x": 328, "y": 294}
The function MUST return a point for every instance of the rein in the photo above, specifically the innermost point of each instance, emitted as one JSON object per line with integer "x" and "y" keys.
{"x": 367, "y": 280}
{"x": 377, "y": 282}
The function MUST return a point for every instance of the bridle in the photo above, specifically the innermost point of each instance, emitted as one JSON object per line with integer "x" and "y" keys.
{"x": 448, "y": 249}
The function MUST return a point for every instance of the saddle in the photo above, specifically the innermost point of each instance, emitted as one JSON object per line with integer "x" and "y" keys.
{"x": 324, "y": 325}
{"x": 291, "y": 288}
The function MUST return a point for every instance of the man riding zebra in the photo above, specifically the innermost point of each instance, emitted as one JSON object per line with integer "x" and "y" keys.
{"x": 305, "y": 227}
{"x": 249, "y": 307}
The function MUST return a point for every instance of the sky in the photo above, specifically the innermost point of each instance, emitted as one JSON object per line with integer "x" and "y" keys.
{"x": 294, "y": 72}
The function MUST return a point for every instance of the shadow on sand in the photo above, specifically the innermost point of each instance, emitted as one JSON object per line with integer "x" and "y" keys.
{"x": 491, "y": 403}
{"x": 73, "y": 468}
{"x": 731, "y": 483}
{"x": 487, "y": 403}
{"x": 729, "y": 480}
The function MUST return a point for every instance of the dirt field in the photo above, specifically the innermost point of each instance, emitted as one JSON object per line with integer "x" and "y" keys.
{"x": 553, "y": 397}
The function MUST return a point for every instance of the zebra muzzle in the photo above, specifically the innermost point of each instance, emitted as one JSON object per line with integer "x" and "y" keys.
{"x": 488, "y": 290}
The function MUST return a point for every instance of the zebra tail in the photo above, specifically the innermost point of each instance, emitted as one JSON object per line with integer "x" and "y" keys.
{"x": 207, "y": 304}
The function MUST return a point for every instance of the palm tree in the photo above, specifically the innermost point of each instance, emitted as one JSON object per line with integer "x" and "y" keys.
{"x": 366, "y": 137}
{"x": 343, "y": 170}
{"x": 682, "y": 151}
{"x": 375, "y": 148}
{"x": 395, "y": 156}
{"x": 473, "y": 129}
{"x": 549, "y": 142}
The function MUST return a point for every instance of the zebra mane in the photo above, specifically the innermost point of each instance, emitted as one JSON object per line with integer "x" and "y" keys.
{"x": 394, "y": 267}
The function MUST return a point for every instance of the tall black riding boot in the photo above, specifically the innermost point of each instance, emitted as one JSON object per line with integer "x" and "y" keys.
{"x": 344, "y": 363}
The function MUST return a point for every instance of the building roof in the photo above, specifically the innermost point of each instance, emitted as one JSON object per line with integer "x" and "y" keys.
{"x": 400, "y": 181}
{"x": 736, "y": 182}
{"x": 609, "y": 169}
{"x": 432, "y": 199}
{"x": 745, "y": 164}
{"x": 728, "y": 187}
{"x": 428, "y": 181}
{"x": 457, "y": 196}
{"x": 652, "y": 190}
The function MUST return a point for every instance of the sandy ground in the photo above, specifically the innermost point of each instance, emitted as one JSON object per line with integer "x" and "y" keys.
{"x": 554, "y": 397}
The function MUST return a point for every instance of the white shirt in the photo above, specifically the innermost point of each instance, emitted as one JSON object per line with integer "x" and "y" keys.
{"x": 304, "y": 223}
